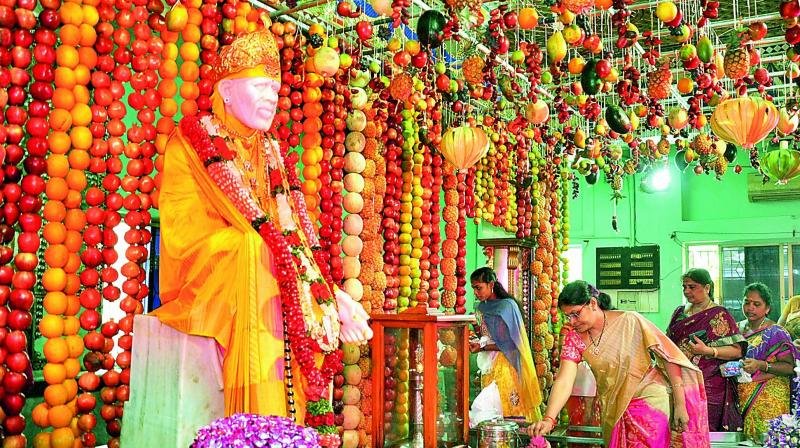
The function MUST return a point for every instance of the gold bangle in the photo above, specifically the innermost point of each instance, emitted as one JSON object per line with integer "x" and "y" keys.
{"x": 677, "y": 385}
{"x": 714, "y": 352}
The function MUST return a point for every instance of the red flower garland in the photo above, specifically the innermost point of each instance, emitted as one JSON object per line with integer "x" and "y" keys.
{"x": 211, "y": 153}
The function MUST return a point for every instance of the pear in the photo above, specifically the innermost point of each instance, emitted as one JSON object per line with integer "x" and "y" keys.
{"x": 556, "y": 48}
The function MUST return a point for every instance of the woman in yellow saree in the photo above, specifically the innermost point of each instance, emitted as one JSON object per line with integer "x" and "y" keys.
{"x": 770, "y": 361}
{"x": 651, "y": 395}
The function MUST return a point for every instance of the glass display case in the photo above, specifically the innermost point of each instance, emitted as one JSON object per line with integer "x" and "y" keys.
{"x": 424, "y": 394}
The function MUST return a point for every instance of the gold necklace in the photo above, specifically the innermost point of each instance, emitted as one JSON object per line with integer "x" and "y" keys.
{"x": 596, "y": 344}
{"x": 249, "y": 139}
{"x": 705, "y": 307}
{"x": 754, "y": 328}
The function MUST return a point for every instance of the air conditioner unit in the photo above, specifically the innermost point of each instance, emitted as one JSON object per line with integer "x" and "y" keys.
{"x": 758, "y": 191}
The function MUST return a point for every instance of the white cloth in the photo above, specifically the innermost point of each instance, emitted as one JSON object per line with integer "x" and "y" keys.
{"x": 486, "y": 406}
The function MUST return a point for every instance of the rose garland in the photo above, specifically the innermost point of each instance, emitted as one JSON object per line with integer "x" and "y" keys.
{"x": 215, "y": 154}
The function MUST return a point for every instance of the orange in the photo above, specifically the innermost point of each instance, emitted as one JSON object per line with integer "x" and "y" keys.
{"x": 191, "y": 33}
{"x": 90, "y": 15}
{"x": 71, "y": 13}
{"x": 57, "y": 165}
{"x": 76, "y": 178}
{"x": 54, "y": 232}
{"x": 195, "y": 16}
{"x": 54, "y": 279}
{"x": 73, "y": 239}
{"x": 54, "y": 211}
{"x": 188, "y": 107}
{"x": 169, "y": 52}
{"x": 312, "y": 124}
{"x": 59, "y": 142}
{"x": 55, "y": 394}
{"x": 81, "y": 137}
{"x": 72, "y": 367}
{"x": 51, "y": 326}
{"x": 73, "y": 305}
{"x": 72, "y": 287}
{"x": 67, "y": 56}
{"x": 88, "y": 57}
{"x": 56, "y": 256}
{"x": 311, "y": 140}
{"x": 63, "y": 98}
{"x": 168, "y": 69}
{"x": 80, "y": 91}
{"x": 311, "y": 110}
{"x": 189, "y": 51}
{"x": 73, "y": 263}
{"x": 73, "y": 200}
{"x": 54, "y": 373}
{"x": 685, "y": 85}
{"x": 603, "y": 4}
{"x": 62, "y": 436}
{"x": 88, "y": 35}
{"x": 189, "y": 71}
{"x": 55, "y": 302}
{"x": 55, "y": 350}
{"x": 189, "y": 91}
{"x": 72, "y": 390}
{"x": 79, "y": 159}
{"x": 72, "y": 325}
{"x": 56, "y": 188}
{"x": 168, "y": 107}
{"x": 39, "y": 416}
{"x": 528, "y": 18}
{"x": 60, "y": 119}
{"x": 167, "y": 87}
{"x": 70, "y": 34}
{"x": 412, "y": 47}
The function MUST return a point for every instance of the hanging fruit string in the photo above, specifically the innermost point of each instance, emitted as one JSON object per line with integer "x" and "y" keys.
{"x": 390, "y": 225}
{"x": 21, "y": 201}
{"x": 353, "y": 244}
{"x": 461, "y": 255}
{"x": 405, "y": 297}
{"x": 452, "y": 232}
{"x": 372, "y": 273}
{"x": 435, "y": 237}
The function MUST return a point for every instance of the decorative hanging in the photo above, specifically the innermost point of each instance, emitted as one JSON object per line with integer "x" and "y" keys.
{"x": 464, "y": 146}
{"x": 781, "y": 164}
{"x": 744, "y": 121}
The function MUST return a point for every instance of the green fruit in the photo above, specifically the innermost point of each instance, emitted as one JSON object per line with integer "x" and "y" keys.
{"x": 375, "y": 67}
{"x": 688, "y": 51}
{"x": 518, "y": 57}
{"x": 547, "y": 77}
{"x": 556, "y": 48}
{"x": 705, "y": 49}
{"x": 440, "y": 68}
{"x": 617, "y": 120}
{"x": 590, "y": 82}
{"x": 429, "y": 28}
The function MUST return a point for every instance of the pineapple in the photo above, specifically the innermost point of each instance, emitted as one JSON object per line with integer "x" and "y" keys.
{"x": 720, "y": 166}
{"x": 701, "y": 144}
{"x": 659, "y": 81}
{"x": 737, "y": 59}
{"x": 616, "y": 183}
{"x": 472, "y": 69}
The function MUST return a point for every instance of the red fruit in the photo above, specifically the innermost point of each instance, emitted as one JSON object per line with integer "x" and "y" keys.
{"x": 757, "y": 30}
{"x": 790, "y": 9}
{"x": 603, "y": 68}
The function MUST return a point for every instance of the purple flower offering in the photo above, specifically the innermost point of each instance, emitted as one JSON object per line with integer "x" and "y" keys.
{"x": 252, "y": 430}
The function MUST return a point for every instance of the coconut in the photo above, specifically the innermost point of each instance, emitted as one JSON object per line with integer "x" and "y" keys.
{"x": 353, "y": 203}
{"x": 352, "y": 374}
{"x": 354, "y": 162}
{"x": 356, "y": 121}
{"x": 354, "y": 182}
{"x": 352, "y": 245}
{"x": 353, "y": 225}
{"x": 350, "y": 438}
{"x": 355, "y": 288}
{"x": 350, "y": 354}
{"x": 351, "y": 267}
{"x": 352, "y": 394}
{"x": 355, "y": 142}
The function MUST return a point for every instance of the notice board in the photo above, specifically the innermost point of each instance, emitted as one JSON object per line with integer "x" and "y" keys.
{"x": 635, "y": 267}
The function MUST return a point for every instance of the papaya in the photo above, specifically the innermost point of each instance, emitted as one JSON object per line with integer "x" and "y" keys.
{"x": 705, "y": 49}
{"x": 590, "y": 82}
{"x": 617, "y": 120}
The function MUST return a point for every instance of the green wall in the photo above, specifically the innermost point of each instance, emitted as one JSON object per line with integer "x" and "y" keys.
{"x": 694, "y": 209}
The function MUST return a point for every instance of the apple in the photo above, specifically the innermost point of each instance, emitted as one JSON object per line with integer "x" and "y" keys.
{"x": 757, "y": 30}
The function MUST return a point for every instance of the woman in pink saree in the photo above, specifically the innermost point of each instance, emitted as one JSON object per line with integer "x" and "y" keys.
{"x": 651, "y": 395}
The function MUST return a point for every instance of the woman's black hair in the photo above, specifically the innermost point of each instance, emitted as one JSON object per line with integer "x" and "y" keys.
{"x": 762, "y": 290}
{"x": 487, "y": 275}
{"x": 581, "y": 292}
{"x": 701, "y": 276}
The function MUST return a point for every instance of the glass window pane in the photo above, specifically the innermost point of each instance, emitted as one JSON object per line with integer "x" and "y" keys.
{"x": 795, "y": 269}
{"x": 733, "y": 280}
{"x": 762, "y": 264}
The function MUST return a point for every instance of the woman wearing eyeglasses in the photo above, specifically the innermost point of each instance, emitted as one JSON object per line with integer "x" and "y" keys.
{"x": 504, "y": 354}
{"x": 651, "y": 395}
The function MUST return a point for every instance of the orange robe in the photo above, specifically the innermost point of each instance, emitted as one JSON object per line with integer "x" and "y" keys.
{"x": 216, "y": 281}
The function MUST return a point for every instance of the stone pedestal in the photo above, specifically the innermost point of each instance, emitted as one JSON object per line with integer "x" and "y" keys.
{"x": 176, "y": 386}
